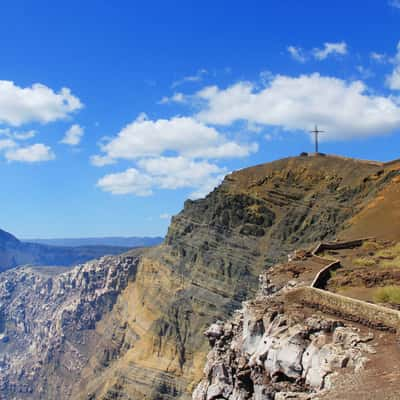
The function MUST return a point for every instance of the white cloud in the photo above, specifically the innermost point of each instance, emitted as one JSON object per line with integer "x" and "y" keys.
{"x": 266, "y": 77}
{"x": 379, "y": 57}
{"x": 73, "y": 135}
{"x": 330, "y": 48}
{"x": 297, "y": 54}
{"x": 37, "y": 103}
{"x": 344, "y": 109}
{"x": 101, "y": 161}
{"x": 393, "y": 80}
{"x": 164, "y": 173}
{"x": 181, "y": 135}
{"x": 7, "y": 144}
{"x": 224, "y": 150}
{"x": 302, "y": 56}
{"x": 35, "y": 153}
{"x": 18, "y": 135}
{"x": 365, "y": 73}
{"x": 129, "y": 181}
{"x": 179, "y": 172}
{"x": 167, "y": 154}
{"x": 24, "y": 135}
{"x": 165, "y": 216}
{"x": 191, "y": 78}
{"x": 175, "y": 98}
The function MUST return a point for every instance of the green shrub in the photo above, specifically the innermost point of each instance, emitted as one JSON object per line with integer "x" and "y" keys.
{"x": 364, "y": 262}
{"x": 390, "y": 252}
{"x": 387, "y": 294}
{"x": 391, "y": 263}
{"x": 371, "y": 246}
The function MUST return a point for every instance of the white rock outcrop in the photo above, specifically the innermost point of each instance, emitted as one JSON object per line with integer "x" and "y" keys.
{"x": 265, "y": 353}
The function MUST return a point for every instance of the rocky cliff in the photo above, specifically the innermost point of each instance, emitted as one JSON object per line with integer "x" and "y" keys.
{"x": 272, "y": 350}
{"x": 142, "y": 337}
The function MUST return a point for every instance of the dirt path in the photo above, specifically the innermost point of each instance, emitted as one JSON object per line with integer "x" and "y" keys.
{"x": 379, "y": 380}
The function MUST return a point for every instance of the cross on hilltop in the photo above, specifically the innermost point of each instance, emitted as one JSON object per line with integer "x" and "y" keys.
{"x": 316, "y": 133}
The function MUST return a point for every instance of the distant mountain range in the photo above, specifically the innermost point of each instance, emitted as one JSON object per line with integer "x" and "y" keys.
{"x": 118, "y": 241}
{"x": 62, "y": 252}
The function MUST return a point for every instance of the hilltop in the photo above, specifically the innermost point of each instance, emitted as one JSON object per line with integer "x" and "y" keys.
{"x": 138, "y": 333}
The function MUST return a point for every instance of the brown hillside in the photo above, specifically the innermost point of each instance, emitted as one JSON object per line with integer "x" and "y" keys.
{"x": 380, "y": 217}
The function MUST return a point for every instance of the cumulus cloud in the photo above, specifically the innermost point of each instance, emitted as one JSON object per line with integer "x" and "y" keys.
{"x": 73, "y": 135}
{"x": 182, "y": 135}
{"x": 344, "y": 109}
{"x": 30, "y": 154}
{"x": 179, "y": 172}
{"x": 12, "y": 150}
{"x": 130, "y": 181}
{"x": 393, "y": 80}
{"x": 297, "y": 54}
{"x": 191, "y": 78}
{"x": 165, "y": 216}
{"x": 329, "y": 49}
{"x": 164, "y": 173}
{"x": 167, "y": 154}
{"x": 37, "y": 103}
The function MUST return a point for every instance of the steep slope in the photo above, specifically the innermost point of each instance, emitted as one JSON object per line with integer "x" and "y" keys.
{"x": 149, "y": 341}
{"x": 379, "y": 218}
{"x": 13, "y": 252}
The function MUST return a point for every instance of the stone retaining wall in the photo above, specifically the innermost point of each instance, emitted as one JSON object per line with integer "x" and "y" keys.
{"x": 349, "y": 244}
{"x": 323, "y": 276}
{"x": 365, "y": 313}
{"x": 351, "y": 309}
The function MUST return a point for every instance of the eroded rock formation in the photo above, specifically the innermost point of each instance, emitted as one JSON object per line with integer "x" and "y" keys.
{"x": 267, "y": 352}
{"x": 47, "y": 322}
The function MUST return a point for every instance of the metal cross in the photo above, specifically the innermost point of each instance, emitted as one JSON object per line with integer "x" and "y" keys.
{"x": 316, "y": 132}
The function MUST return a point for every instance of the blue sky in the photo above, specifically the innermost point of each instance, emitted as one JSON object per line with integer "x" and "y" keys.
{"x": 113, "y": 113}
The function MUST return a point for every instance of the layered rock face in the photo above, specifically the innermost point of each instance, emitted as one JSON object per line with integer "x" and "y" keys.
{"x": 144, "y": 339}
{"x": 47, "y": 323}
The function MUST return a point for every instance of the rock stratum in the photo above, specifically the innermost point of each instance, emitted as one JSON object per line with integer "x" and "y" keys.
{"x": 131, "y": 326}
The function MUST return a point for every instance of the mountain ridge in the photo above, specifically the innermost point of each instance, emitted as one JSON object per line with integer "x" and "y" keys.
{"x": 118, "y": 241}
{"x": 14, "y": 252}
